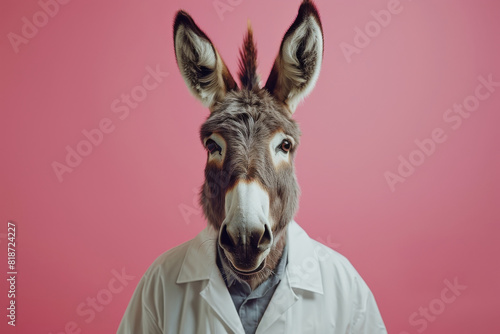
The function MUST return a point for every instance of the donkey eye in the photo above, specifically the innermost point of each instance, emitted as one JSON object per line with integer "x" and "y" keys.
{"x": 212, "y": 146}
{"x": 285, "y": 146}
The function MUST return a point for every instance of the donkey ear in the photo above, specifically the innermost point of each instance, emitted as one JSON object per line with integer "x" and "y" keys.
{"x": 296, "y": 68}
{"x": 201, "y": 66}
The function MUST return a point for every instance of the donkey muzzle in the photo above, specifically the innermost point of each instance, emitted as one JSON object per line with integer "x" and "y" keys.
{"x": 246, "y": 235}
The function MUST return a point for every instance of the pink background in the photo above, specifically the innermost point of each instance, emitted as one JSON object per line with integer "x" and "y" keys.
{"x": 121, "y": 206}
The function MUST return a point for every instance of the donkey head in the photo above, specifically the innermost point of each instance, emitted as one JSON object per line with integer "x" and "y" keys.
{"x": 250, "y": 192}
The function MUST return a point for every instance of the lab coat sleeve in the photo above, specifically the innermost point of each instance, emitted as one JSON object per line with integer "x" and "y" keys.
{"x": 366, "y": 315}
{"x": 138, "y": 317}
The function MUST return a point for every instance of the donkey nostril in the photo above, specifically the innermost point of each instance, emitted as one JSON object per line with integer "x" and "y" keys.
{"x": 225, "y": 239}
{"x": 266, "y": 239}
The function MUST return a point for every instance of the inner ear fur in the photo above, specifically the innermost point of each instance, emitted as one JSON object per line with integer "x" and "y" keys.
{"x": 202, "y": 68}
{"x": 297, "y": 66}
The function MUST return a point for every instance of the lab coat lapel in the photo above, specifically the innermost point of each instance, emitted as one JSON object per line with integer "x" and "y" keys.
{"x": 200, "y": 264}
{"x": 283, "y": 298}
{"x": 218, "y": 297}
{"x": 302, "y": 272}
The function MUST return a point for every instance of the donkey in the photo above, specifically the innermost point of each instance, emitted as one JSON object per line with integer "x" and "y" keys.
{"x": 251, "y": 247}
{"x": 250, "y": 193}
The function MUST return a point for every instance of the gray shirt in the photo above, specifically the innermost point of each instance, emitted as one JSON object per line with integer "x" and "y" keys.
{"x": 249, "y": 304}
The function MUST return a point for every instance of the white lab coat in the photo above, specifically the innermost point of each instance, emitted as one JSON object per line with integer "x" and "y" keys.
{"x": 184, "y": 292}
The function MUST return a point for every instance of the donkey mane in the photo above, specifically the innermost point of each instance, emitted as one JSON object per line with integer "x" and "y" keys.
{"x": 248, "y": 62}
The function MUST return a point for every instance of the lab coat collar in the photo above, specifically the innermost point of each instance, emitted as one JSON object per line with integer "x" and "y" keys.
{"x": 200, "y": 258}
{"x": 303, "y": 270}
{"x": 303, "y": 267}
